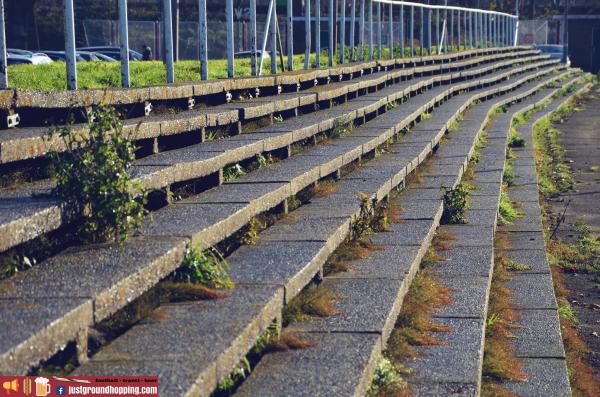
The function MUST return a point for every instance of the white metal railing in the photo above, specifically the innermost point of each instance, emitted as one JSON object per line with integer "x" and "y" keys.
{"x": 455, "y": 28}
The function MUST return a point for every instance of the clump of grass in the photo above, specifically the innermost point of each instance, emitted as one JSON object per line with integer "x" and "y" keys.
{"x": 499, "y": 361}
{"x": 509, "y": 175}
{"x": 442, "y": 241}
{"x": 515, "y": 266}
{"x": 388, "y": 380}
{"x": 431, "y": 257}
{"x": 515, "y": 139}
{"x": 426, "y": 116}
{"x": 414, "y": 326}
{"x": 311, "y": 302}
{"x": 554, "y": 177}
{"x": 325, "y": 188}
{"x": 507, "y": 210}
{"x": 232, "y": 172}
{"x": 205, "y": 267}
{"x": 287, "y": 340}
{"x": 250, "y": 236}
{"x": 341, "y": 128}
{"x": 455, "y": 204}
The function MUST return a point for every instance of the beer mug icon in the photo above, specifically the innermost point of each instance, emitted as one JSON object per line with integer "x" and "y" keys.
{"x": 42, "y": 387}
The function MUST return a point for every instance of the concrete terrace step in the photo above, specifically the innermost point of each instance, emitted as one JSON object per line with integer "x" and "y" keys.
{"x": 20, "y": 223}
{"x": 539, "y": 343}
{"x": 26, "y": 98}
{"x": 283, "y": 261}
{"x": 372, "y": 291}
{"x": 456, "y": 364}
{"x": 123, "y": 280}
{"x": 28, "y": 143}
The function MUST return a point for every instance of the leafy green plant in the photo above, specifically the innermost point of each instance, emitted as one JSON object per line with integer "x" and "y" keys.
{"x": 515, "y": 140}
{"x": 386, "y": 378}
{"x": 425, "y": 116}
{"x": 239, "y": 373}
{"x": 507, "y": 211}
{"x": 17, "y": 264}
{"x": 456, "y": 203}
{"x": 92, "y": 177}
{"x": 517, "y": 266}
{"x": 363, "y": 224}
{"x": 278, "y": 118}
{"x": 206, "y": 267}
{"x": 509, "y": 175}
{"x": 341, "y": 128}
{"x": 233, "y": 172}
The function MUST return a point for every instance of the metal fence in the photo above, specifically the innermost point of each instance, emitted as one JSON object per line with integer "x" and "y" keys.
{"x": 539, "y": 31}
{"x": 402, "y": 27}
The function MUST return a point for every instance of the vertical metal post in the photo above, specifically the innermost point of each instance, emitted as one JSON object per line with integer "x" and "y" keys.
{"x": 458, "y": 38}
{"x": 451, "y": 31}
{"x": 465, "y": 31}
{"x": 361, "y": 32}
{"x": 422, "y": 37}
{"x": 437, "y": 28}
{"x": 429, "y": 13}
{"x": 471, "y": 29}
{"x": 343, "y": 32}
{"x": 370, "y": 30}
{"x": 274, "y": 39}
{"x": 352, "y": 29}
{"x": 307, "y": 33}
{"x": 290, "y": 32}
{"x": 124, "y": 44}
{"x": 412, "y": 31}
{"x": 3, "y": 64}
{"x": 203, "y": 33}
{"x": 401, "y": 30}
{"x": 230, "y": 58}
{"x": 331, "y": 32}
{"x": 318, "y": 32}
{"x": 70, "y": 55}
{"x": 379, "y": 40}
{"x": 445, "y": 34}
{"x": 391, "y": 28}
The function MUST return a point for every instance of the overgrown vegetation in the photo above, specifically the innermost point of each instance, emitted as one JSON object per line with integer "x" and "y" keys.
{"x": 507, "y": 210}
{"x": 499, "y": 361}
{"x": 311, "y": 302}
{"x": 582, "y": 256}
{"x": 456, "y": 203}
{"x": 92, "y": 177}
{"x": 205, "y": 267}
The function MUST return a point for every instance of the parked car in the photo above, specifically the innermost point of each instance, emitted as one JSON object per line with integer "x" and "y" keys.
{"x": 14, "y": 59}
{"x": 60, "y": 56}
{"x": 555, "y": 51}
{"x": 35, "y": 58}
{"x": 113, "y": 52}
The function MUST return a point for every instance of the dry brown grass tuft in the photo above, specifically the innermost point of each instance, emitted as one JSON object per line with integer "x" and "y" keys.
{"x": 414, "y": 326}
{"x": 310, "y": 303}
{"x": 325, "y": 188}
{"x": 288, "y": 340}
{"x": 499, "y": 361}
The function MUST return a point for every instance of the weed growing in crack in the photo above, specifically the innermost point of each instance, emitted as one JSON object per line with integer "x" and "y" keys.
{"x": 414, "y": 326}
{"x": 388, "y": 379}
{"x": 515, "y": 139}
{"x": 311, "y": 302}
{"x": 204, "y": 266}
{"x": 456, "y": 203}
{"x": 341, "y": 128}
{"x": 92, "y": 177}
{"x": 507, "y": 210}
{"x": 509, "y": 175}
{"x": 233, "y": 172}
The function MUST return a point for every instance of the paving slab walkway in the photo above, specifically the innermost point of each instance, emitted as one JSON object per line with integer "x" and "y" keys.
{"x": 581, "y": 140}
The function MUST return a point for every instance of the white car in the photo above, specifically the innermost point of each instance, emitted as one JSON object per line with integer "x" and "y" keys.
{"x": 20, "y": 56}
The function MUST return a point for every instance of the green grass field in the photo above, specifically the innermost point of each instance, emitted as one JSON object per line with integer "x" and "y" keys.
{"x": 52, "y": 77}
